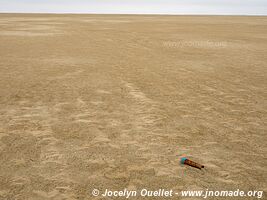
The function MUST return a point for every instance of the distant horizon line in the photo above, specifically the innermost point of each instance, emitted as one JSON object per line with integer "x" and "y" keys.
{"x": 168, "y": 14}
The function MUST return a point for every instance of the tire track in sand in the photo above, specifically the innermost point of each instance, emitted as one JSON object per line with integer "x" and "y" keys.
{"x": 148, "y": 117}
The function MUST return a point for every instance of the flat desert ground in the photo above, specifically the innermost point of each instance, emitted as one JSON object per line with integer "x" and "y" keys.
{"x": 113, "y": 102}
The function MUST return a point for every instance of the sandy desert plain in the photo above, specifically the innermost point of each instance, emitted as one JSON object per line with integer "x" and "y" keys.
{"x": 113, "y": 101}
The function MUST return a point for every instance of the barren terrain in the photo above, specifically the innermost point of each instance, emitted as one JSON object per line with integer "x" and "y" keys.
{"x": 113, "y": 102}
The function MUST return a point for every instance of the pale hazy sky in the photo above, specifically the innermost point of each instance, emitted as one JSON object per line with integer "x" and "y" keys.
{"x": 239, "y": 7}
